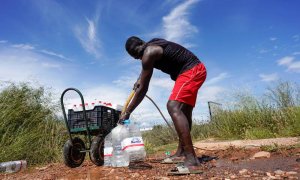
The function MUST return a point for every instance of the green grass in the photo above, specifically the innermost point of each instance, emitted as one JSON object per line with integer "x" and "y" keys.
{"x": 29, "y": 129}
{"x": 271, "y": 148}
{"x": 277, "y": 148}
{"x": 275, "y": 114}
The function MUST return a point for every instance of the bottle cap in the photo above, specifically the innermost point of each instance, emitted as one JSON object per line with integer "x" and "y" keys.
{"x": 127, "y": 121}
{"x": 167, "y": 153}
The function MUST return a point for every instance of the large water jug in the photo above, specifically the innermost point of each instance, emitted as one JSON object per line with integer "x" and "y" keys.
{"x": 134, "y": 144}
{"x": 108, "y": 148}
{"x": 119, "y": 158}
{"x": 13, "y": 166}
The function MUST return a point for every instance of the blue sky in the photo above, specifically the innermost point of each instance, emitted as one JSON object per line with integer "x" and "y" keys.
{"x": 60, "y": 44}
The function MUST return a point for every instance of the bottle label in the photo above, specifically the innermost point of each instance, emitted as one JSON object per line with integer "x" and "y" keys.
{"x": 108, "y": 151}
{"x": 132, "y": 142}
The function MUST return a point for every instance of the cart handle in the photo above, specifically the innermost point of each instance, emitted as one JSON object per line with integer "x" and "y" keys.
{"x": 84, "y": 113}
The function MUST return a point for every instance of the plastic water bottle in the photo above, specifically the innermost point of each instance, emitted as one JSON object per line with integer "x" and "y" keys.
{"x": 87, "y": 106}
{"x": 119, "y": 157}
{"x": 80, "y": 108}
{"x": 92, "y": 106}
{"x": 108, "y": 148}
{"x": 134, "y": 144}
{"x": 75, "y": 108}
{"x": 13, "y": 166}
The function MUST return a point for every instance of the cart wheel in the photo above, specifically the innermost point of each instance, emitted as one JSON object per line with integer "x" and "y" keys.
{"x": 97, "y": 151}
{"x": 72, "y": 155}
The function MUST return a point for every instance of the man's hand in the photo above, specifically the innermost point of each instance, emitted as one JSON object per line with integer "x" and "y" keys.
{"x": 123, "y": 117}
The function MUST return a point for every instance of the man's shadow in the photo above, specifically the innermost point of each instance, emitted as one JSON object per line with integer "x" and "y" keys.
{"x": 205, "y": 158}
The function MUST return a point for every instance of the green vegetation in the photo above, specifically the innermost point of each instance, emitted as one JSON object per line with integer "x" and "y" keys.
{"x": 29, "y": 129}
{"x": 271, "y": 148}
{"x": 277, "y": 148}
{"x": 275, "y": 114}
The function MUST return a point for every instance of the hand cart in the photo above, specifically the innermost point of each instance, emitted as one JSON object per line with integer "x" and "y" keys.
{"x": 94, "y": 125}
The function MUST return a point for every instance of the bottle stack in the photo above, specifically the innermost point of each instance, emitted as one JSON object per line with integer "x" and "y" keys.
{"x": 124, "y": 145}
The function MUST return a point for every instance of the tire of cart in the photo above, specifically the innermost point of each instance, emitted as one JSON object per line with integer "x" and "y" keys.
{"x": 73, "y": 155}
{"x": 97, "y": 150}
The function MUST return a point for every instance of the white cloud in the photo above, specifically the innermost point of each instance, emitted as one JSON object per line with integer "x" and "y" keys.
{"x": 24, "y": 46}
{"x": 91, "y": 30}
{"x": 51, "y": 65}
{"x": 54, "y": 54}
{"x": 262, "y": 51}
{"x": 295, "y": 66}
{"x": 290, "y": 63}
{"x": 165, "y": 83}
{"x": 217, "y": 79}
{"x": 296, "y": 37}
{"x": 29, "y": 47}
{"x": 23, "y": 65}
{"x": 176, "y": 25}
{"x": 269, "y": 77}
{"x": 125, "y": 81}
{"x": 285, "y": 60}
{"x": 296, "y": 53}
{"x": 273, "y": 39}
{"x": 87, "y": 36}
{"x": 210, "y": 93}
{"x": 3, "y": 41}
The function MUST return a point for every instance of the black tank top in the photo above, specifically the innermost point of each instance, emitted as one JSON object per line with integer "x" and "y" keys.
{"x": 175, "y": 60}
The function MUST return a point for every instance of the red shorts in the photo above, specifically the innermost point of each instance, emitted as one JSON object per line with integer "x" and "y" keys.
{"x": 187, "y": 85}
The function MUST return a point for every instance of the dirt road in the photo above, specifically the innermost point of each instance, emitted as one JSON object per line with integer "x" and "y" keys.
{"x": 221, "y": 160}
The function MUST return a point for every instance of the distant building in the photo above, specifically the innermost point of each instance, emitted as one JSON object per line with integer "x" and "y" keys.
{"x": 146, "y": 129}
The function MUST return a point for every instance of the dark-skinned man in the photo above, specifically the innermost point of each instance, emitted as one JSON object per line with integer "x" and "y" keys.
{"x": 189, "y": 74}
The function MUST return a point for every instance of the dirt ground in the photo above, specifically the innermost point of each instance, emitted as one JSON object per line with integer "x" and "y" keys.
{"x": 220, "y": 160}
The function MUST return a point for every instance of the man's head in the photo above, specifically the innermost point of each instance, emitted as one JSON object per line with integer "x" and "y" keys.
{"x": 134, "y": 47}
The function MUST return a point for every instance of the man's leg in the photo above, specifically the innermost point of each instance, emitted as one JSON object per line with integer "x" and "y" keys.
{"x": 182, "y": 126}
{"x": 187, "y": 110}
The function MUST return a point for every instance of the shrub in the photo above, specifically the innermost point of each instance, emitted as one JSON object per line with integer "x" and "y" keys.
{"x": 29, "y": 128}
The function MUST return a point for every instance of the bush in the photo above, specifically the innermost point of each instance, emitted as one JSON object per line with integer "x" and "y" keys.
{"x": 159, "y": 135}
{"x": 29, "y": 129}
{"x": 275, "y": 114}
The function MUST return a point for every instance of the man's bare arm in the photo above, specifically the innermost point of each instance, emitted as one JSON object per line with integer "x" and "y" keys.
{"x": 151, "y": 54}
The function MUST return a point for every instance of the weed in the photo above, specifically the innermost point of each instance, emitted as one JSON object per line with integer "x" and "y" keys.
{"x": 29, "y": 128}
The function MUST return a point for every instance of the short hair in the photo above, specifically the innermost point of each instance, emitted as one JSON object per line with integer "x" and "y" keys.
{"x": 132, "y": 42}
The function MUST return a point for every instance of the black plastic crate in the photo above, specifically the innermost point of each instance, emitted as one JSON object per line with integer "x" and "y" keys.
{"x": 101, "y": 118}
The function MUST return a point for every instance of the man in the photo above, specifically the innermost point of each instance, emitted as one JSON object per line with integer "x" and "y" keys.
{"x": 188, "y": 73}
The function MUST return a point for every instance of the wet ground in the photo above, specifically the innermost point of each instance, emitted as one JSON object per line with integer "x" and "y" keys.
{"x": 230, "y": 163}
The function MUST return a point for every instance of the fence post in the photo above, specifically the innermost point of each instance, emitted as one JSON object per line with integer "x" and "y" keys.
{"x": 210, "y": 108}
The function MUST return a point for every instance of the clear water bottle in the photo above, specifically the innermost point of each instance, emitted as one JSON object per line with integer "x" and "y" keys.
{"x": 119, "y": 157}
{"x": 75, "y": 108}
{"x": 108, "y": 148}
{"x": 13, "y": 166}
{"x": 134, "y": 144}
